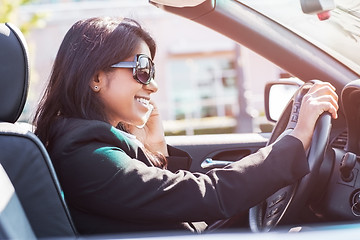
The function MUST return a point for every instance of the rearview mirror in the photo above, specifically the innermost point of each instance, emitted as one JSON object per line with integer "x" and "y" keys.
{"x": 277, "y": 96}
{"x": 316, "y": 6}
{"x": 178, "y": 3}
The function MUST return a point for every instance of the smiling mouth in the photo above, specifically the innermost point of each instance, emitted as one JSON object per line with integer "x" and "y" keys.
{"x": 143, "y": 101}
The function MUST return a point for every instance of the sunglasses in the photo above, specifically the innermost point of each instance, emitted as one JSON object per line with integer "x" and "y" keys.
{"x": 143, "y": 68}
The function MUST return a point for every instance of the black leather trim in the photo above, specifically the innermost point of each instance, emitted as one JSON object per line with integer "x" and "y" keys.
{"x": 14, "y": 72}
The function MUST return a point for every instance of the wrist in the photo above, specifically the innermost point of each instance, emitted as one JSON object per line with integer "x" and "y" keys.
{"x": 159, "y": 147}
{"x": 303, "y": 136}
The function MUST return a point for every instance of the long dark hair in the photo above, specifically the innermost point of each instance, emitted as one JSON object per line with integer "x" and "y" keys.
{"x": 90, "y": 46}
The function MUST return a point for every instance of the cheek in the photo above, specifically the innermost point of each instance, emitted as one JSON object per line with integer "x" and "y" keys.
{"x": 122, "y": 91}
{"x": 119, "y": 93}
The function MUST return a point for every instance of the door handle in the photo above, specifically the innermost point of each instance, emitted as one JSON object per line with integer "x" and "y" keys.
{"x": 211, "y": 163}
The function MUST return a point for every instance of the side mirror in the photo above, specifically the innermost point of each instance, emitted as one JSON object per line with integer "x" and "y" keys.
{"x": 277, "y": 96}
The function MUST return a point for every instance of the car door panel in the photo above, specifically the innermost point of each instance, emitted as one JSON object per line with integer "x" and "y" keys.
{"x": 222, "y": 147}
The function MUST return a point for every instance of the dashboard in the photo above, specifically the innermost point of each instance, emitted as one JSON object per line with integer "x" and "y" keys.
{"x": 339, "y": 173}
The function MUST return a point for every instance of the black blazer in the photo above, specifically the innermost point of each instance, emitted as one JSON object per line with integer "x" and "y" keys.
{"x": 111, "y": 186}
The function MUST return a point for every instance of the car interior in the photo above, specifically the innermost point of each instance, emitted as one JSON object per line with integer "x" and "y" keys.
{"x": 32, "y": 205}
{"x": 302, "y": 58}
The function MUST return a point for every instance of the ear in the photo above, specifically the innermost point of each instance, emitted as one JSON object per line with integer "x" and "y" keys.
{"x": 98, "y": 81}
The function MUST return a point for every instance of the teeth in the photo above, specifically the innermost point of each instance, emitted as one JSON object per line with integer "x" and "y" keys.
{"x": 143, "y": 101}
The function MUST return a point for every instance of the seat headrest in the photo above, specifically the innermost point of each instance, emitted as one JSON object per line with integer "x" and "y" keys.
{"x": 14, "y": 72}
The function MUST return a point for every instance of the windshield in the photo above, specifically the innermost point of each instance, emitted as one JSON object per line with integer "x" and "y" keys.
{"x": 339, "y": 35}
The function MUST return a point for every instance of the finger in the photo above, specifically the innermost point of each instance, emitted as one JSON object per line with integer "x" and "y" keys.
{"x": 321, "y": 85}
{"x": 328, "y": 98}
{"x": 326, "y": 91}
{"x": 321, "y": 104}
{"x": 322, "y": 91}
{"x": 322, "y": 95}
{"x": 318, "y": 83}
{"x": 328, "y": 107}
{"x": 155, "y": 109}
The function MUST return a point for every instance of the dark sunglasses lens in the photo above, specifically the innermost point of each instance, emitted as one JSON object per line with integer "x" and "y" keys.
{"x": 144, "y": 71}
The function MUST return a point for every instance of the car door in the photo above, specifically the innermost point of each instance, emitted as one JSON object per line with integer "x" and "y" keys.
{"x": 217, "y": 150}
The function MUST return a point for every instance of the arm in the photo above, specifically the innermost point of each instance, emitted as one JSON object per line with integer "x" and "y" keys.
{"x": 103, "y": 178}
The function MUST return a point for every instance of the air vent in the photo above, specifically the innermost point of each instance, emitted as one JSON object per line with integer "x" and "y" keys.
{"x": 340, "y": 141}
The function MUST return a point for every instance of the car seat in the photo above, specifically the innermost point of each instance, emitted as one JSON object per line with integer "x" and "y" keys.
{"x": 37, "y": 194}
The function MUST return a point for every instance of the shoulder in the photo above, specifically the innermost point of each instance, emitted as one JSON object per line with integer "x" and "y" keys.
{"x": 72, "y": 132}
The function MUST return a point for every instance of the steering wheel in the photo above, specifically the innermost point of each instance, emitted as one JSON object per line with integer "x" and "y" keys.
{"x": 286, "y": 202}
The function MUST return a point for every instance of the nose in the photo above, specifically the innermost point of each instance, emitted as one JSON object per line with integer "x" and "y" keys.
{"x": 152, "y": 86}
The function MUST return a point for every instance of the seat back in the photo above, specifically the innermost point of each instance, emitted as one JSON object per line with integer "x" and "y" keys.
{"x": 22, "y": 155}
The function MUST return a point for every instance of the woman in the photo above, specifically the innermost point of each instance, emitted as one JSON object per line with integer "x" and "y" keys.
{"x": 104, "y": 135}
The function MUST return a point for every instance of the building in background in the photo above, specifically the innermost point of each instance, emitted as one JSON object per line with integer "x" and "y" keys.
{"x": 197, "y": 69}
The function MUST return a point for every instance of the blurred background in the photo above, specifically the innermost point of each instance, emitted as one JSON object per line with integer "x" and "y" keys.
{"x": 207, "y": 82}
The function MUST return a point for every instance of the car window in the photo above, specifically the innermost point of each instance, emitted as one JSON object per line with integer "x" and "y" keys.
{"x": 203, "y": 87}
{"x": 339, "y": 35}
{"x": 208, "y": 83}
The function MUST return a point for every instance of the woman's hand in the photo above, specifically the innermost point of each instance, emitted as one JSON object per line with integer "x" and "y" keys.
{"x": 321, "y": 97}
{"x": 152, "y": 133}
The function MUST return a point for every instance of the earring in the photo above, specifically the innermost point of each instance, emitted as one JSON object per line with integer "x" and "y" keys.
{"x": 96, "y": 88}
